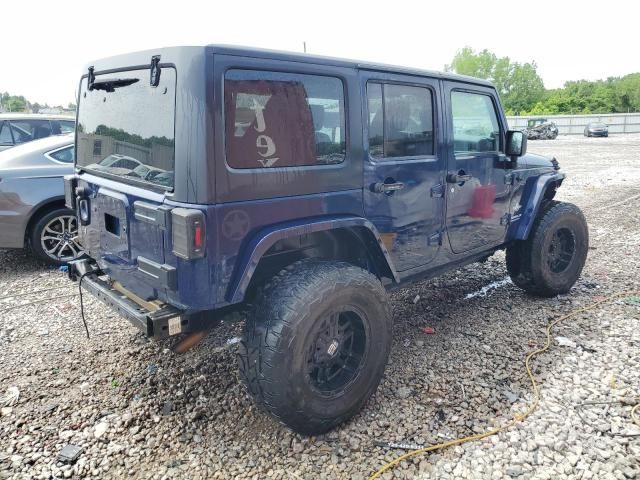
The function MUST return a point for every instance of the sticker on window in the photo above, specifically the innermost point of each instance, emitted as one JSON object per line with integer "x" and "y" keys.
{"x": 283, "y": 120}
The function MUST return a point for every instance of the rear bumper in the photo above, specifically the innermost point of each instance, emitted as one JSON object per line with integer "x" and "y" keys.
{"x": 162, "y": 322}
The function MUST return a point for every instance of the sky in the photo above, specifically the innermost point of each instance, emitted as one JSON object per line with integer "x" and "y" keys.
{"x": 45, "y": 44}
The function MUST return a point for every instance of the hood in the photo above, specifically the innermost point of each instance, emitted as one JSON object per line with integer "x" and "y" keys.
{"x": 533, "y": 160}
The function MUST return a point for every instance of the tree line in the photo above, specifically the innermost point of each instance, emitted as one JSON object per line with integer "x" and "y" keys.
{"x": 522, "y": 91}
{"x": 19, "y": 104}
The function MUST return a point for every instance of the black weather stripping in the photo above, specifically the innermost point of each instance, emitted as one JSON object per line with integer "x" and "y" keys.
{"x": 111, "y": 85}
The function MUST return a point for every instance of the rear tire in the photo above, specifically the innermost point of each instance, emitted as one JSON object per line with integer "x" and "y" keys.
{"x": 550, "y": 261}
{"x": 52, "y": 237}
{"x": 316, "y": 344}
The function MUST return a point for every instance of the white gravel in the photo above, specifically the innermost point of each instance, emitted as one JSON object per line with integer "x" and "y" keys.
{"x": 138, "y": 410}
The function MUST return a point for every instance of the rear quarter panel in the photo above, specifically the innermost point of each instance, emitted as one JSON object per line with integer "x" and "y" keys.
{"x": 250, "y": 200}
{"x": 22, "y": 192}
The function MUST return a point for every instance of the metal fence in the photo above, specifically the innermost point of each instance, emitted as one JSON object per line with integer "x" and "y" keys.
{"x": 574, "y": 124}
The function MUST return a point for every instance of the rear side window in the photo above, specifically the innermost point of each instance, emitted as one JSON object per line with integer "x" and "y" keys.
{"x": 63, "y": 155}
{"x": 27, "y": 130}
{"x": 275, "y": 119}
{"x": 475, "y": 123}
{"x": 400, "y": 120}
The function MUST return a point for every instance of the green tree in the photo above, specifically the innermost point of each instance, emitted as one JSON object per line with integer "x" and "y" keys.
{"x": 468, "y": 62}
{"x": 627, "y": 93}
{"x": 519, "y": 85}
{"x": 16, "y": 104}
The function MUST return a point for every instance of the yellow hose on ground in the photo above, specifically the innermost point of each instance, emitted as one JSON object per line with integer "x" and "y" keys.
{"x": 532, "y": 406}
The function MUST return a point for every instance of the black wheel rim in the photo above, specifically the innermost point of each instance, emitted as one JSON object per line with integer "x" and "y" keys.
{"x": 562, "y": 249}
{"x": 337, "y": 353}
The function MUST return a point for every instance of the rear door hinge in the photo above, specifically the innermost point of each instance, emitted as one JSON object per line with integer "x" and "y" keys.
{"x": 154, "y": 73}
{"x": 91, "y": 78}
{"x": 437, "y": 191}
{"x": 435, "y": 239}
{"x": 505, "y": 219}
{"x": 512, "y": 178}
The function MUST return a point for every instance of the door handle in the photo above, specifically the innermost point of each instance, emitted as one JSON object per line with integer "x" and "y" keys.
{"x": 459, "y": 177}
{"x": 386, "y": 187}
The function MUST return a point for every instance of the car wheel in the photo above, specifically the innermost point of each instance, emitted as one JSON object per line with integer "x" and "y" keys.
{"x": 53, "y": 237}
{"x": 550, "y": 261}
{"x": 316, "y": 344}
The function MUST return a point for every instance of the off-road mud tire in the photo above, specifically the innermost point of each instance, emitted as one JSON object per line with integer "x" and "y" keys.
{"x": 528, "y": 260}
{"x": 273, "y": 354}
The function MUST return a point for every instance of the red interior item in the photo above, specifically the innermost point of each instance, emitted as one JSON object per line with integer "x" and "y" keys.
{"x": 482, "y": 205}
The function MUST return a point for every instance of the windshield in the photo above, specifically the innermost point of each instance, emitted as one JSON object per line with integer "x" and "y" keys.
{"x": 126, "y": 127}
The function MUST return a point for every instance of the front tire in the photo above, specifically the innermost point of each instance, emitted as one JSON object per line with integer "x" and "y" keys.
{"x": 53, "y": 237}
{"x": 550, "y": 261}
{"x": 316, "y": 344}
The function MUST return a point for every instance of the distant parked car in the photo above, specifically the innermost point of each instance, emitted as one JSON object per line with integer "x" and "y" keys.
{"x": 596, "y": 129}
{"x": 18, "y": 128}
{"x": 32, "y": 211}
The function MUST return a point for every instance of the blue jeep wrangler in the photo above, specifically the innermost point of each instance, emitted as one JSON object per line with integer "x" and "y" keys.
{"x": 297, "y": 190}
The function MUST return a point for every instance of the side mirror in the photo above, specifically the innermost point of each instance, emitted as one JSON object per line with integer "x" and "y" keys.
{"x": 516, "y": 144}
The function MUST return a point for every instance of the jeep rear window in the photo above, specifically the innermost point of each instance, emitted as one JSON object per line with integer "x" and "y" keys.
{"x": 275, "y": 119}
{"x": 126, "y": 127}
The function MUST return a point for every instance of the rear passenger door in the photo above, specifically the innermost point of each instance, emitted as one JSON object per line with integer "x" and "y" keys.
{"x": 404, "y": 171}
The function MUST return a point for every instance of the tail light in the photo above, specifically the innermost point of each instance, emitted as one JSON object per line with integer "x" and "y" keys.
{"x": 188, "y": 233}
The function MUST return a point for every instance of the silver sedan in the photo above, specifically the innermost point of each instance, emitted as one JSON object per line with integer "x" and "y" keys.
{"x": 32, "y": 211}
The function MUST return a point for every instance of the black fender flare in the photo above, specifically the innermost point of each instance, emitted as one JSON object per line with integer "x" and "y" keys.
{"x": 268, "y": 236}
{"x": 533, "y": 195}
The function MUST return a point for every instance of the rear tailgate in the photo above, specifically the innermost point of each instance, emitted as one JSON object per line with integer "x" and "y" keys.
{"x": 126, "y": 160}
{"x": 128, "y": 235}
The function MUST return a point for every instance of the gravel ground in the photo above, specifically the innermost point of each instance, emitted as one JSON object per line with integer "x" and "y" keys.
{"x": 138, "y": 410}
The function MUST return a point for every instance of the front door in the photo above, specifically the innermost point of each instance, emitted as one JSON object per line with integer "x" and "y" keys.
{"x": 477, "y": 193}
{"x": 404, "y": 171}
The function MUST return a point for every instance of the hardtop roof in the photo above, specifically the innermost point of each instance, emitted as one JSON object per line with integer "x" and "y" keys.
{"x": 340, "y": 62}
{"x": 142, "y": 57}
